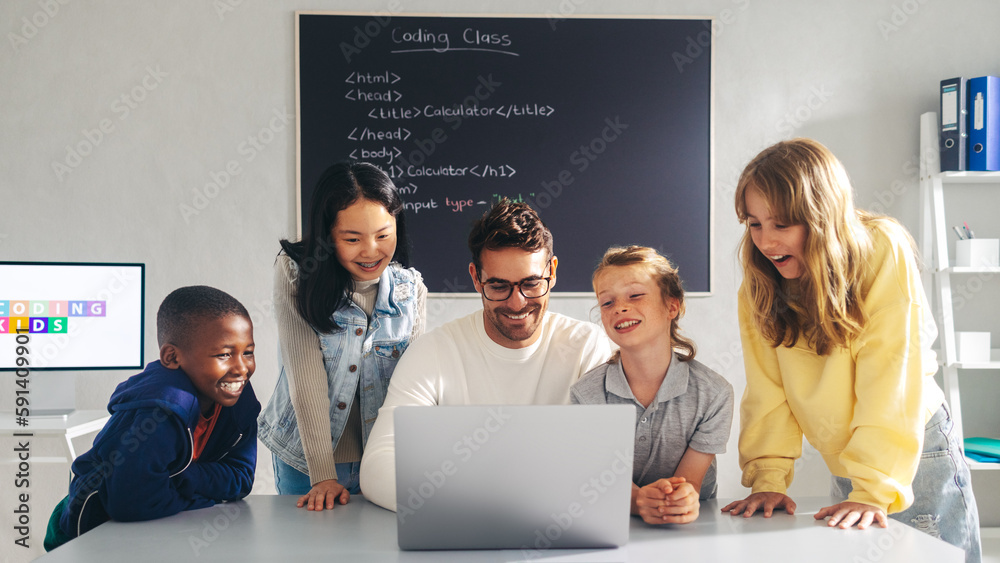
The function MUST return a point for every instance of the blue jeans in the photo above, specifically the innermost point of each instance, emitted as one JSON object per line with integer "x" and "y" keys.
{"x": 943, "y": 503}
{"x": 291, "y": 481}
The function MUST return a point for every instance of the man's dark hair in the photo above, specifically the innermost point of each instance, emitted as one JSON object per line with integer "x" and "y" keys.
{"x": 509, "y": 224}
{"x": 186, "y": 306}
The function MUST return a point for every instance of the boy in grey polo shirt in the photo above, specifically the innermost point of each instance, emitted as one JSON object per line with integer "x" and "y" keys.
{"x": 693, "y": 409}
{"x": 684, "y": 410}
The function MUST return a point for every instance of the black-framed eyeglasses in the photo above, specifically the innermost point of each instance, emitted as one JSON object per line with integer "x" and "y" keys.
{"x": 530, "y": 288}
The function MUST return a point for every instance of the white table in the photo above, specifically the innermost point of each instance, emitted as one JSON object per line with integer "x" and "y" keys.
{"x": 77, "y": 423}
{"x": 271, "y": 528}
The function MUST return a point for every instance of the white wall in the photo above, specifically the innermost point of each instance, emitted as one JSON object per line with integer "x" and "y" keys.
{"x": 854, "y": 74}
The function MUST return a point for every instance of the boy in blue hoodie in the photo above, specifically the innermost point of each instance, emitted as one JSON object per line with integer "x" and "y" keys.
{"x": 183, "y": 433}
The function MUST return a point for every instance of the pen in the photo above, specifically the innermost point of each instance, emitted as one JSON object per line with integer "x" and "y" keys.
{"x": 968, "y": 231}
{"x": 959, "y": 233}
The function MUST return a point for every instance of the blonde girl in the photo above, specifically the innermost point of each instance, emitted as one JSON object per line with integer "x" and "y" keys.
{"x": 836, "y": 337}
{"x": 683, "y": 410}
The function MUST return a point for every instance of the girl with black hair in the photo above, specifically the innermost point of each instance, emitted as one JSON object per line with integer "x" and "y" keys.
{"x": 347, "y": 307}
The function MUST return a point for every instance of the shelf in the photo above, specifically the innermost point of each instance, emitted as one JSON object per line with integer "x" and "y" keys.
{"x": 969, "y": 270}
{"x": 977, "y": 365}
{"x": 994, "y": 362}
{"x": 982, "y": 466}
{"x": 970, "y": 177}
{"x": 935, "y": 237}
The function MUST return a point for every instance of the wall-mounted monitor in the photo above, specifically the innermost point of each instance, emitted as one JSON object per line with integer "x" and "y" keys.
{"x": 75, "y": 316}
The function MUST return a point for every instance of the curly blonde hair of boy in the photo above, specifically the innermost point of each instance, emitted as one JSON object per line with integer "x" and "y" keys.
{"x": 667, "y": 279}
{"x": 803, "y": 183}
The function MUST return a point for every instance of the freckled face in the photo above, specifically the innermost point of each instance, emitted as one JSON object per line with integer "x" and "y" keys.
{"x": 633, "y": 311}
{"x": 365, "y": 238}
{"x": 784, "y": 245}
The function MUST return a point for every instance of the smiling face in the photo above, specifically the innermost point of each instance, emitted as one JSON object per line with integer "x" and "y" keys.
{"x": 784, "y": 245}
{"x": 365, "y": 238}
{"x": 633, "y": 310}
{"x": 514, "y": 322}
{"x": 217, "y": 356}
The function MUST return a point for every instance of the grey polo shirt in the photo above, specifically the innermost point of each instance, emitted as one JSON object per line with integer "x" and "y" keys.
{"x": 693, "y": 407}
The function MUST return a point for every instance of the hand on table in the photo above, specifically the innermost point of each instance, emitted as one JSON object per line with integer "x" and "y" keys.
{"x": 668, "y": 501}
{"x": 765, "y": 501}
{"x": 849, "y": 513}
{"x": 324, "y": 495}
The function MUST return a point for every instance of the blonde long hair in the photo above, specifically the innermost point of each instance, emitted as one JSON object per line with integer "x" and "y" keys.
{"x": 667, "y": 279}
{"x": 803, "y": 183}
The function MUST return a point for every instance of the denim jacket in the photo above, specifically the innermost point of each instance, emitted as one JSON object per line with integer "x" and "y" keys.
{"x": 359, "y": 350}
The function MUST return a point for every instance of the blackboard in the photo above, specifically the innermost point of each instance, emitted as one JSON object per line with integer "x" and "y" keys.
{"x": 602, "y": 124}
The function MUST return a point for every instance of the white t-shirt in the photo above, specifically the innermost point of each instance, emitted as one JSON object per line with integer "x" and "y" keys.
{"x": 458, "y": 364}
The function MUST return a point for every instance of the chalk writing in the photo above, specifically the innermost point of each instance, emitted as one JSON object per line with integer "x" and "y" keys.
{"x": 371, "y": 78}
{"x": 359, "y": 95}
{"x": 366, "y": 134}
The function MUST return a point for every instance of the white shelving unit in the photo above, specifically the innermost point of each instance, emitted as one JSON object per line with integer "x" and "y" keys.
{"x": 934, "y": 236}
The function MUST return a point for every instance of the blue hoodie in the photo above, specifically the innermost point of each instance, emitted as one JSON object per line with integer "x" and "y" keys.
{"x": 140, "y": 467}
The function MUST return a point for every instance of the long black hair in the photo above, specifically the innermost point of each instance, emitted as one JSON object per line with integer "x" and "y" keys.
{"x": 324, "y": 284}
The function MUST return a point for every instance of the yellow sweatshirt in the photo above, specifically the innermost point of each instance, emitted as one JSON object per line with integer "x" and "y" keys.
{"x": 862, "y": 407}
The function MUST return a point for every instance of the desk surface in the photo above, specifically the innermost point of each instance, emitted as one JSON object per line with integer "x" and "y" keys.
{"x": 270, "y": 527}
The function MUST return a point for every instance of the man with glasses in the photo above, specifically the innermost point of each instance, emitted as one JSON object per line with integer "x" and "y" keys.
{"x": 512, "y": 352}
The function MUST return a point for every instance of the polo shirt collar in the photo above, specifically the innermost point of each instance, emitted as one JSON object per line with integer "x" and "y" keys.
{"x": 674, "y": 384}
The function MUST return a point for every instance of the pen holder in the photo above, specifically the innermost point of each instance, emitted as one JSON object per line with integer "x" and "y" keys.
{"x": 977, "y": 253}
{"x": 973, "y": 347}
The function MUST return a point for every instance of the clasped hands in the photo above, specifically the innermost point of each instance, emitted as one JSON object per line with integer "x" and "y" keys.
{"x": 667, "y": 501}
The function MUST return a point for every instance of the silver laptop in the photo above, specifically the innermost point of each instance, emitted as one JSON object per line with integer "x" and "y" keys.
{"x": 513, "y": 477}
